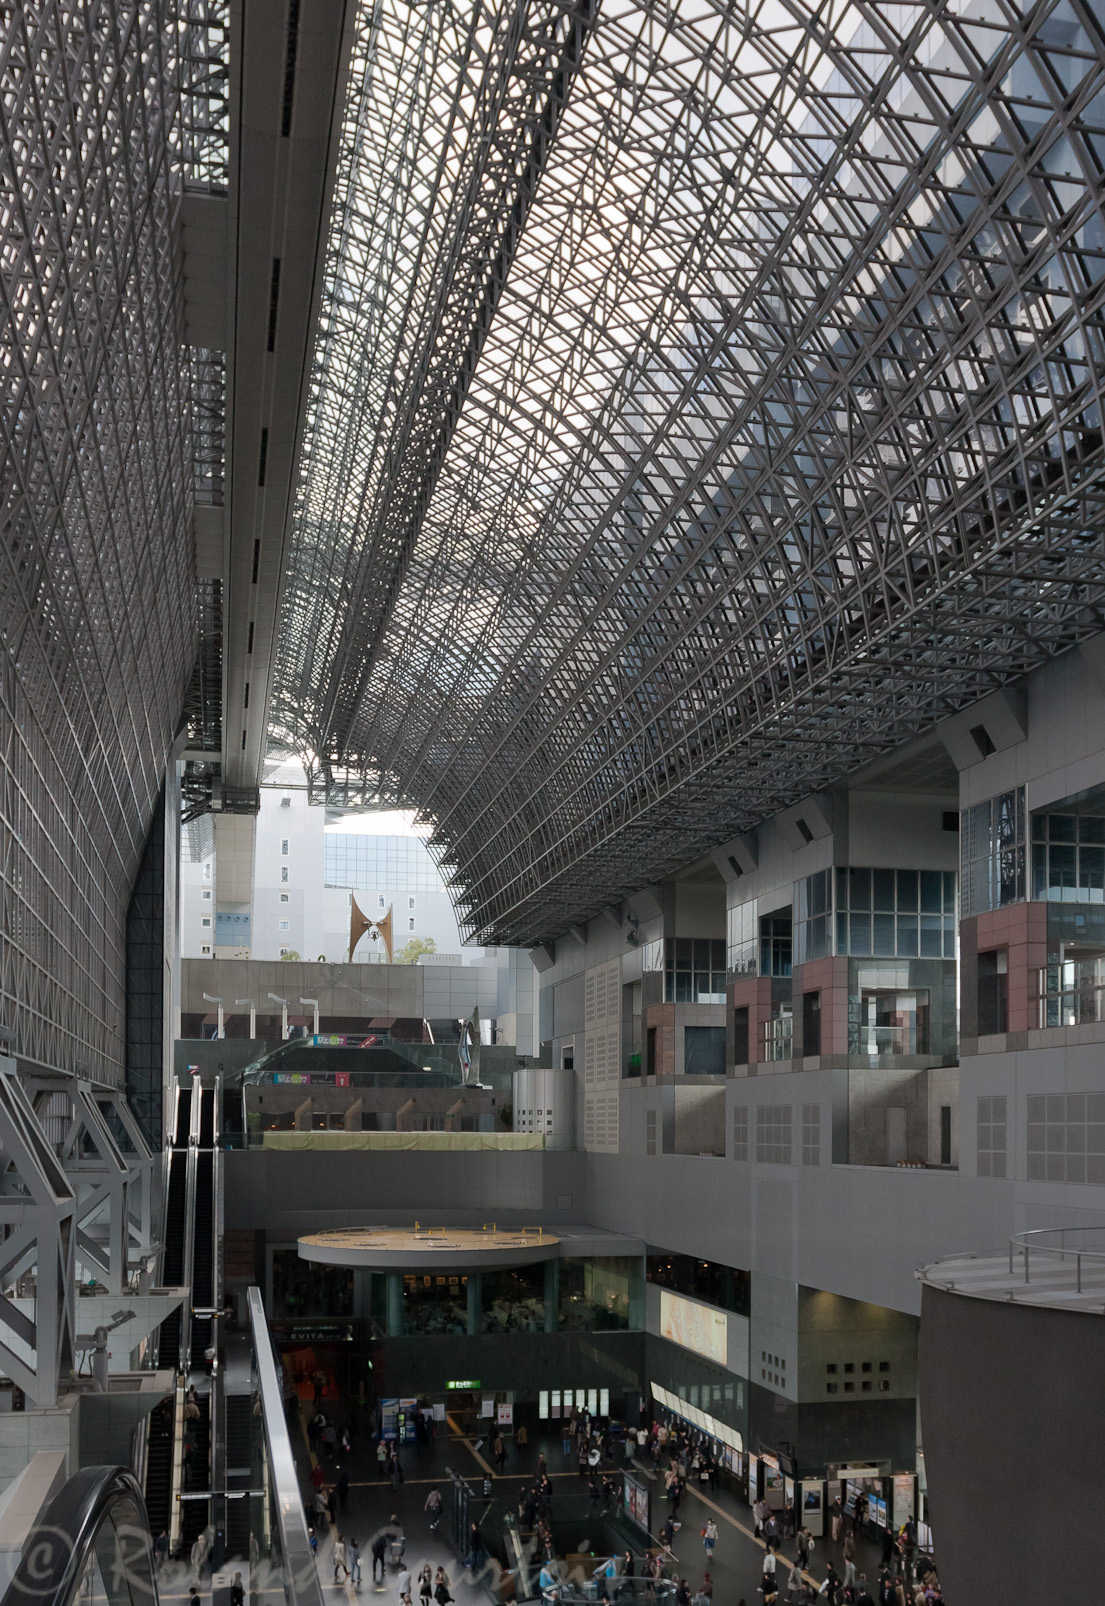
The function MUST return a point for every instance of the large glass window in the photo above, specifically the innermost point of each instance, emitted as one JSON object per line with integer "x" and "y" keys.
{"x": 813, "y": 934}
{"x": 387, "y": 863}
{"x": 704, "y": 1050}
{"x": 992, "y": 844}
{"x": 513, "y": 1301}
{"x": 708, "y": 1280}
{"x": 743, "y": 939}
{"x": 895, "y": 913}
{"x": 884, "y": 1022}
{"x": 1068, "y": 858}
{"x": 434, "y": 1304}
{"x": 600, "y": 1294}
{"x": 304, "y": 1288}
{"x": 775, "y": 943}
{"x": 694, "y": 970}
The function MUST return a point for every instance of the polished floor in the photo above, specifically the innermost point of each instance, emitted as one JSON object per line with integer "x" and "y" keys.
{"x": 736, "y": 1568}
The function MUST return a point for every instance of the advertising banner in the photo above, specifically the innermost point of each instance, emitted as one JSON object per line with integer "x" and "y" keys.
{"x": 695, "y": 1327}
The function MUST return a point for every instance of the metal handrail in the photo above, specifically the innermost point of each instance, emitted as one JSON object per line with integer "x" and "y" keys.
{"x": 1019, "y": 1243}
{"x": 1079, "y": 1001}
{"x": 69, "y": 1536}
{"x": 301, "y": 1585}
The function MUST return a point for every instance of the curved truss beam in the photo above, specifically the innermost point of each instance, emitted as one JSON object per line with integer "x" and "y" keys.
{"x": 784, "y": 442}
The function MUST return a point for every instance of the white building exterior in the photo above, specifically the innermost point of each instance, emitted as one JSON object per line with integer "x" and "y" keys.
{"x": 307, "y": 868}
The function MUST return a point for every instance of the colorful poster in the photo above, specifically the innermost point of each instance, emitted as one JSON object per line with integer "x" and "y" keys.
{"x": 695, "y": 1327}
{"x": 389, "y": 1419}
{"x": 408, "y": 1410}
{"x": 903, "y": 1498}
{"x": 504, "y": 1415}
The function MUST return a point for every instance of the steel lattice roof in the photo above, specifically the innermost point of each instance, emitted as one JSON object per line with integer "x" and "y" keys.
{"x": 707, "y": 398}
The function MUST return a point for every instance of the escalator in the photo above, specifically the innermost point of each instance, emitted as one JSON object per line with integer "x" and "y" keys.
{"x": 204, "y": 1248}
{"x": 239, "y": 1472}
{"x": 159, "y": 1442}
{"x": 196, "y": 1475}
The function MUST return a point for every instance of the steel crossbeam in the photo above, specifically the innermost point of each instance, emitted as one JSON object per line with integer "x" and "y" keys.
{"x": 779, "y": 439}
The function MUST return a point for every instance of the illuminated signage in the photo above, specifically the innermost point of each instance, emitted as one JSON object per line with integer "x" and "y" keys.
{"x": 695, "y": 1327}
{"x": 464, "y": 1383}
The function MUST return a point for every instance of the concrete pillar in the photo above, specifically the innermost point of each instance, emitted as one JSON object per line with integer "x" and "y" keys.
{"x": 552, "y": 1294}
{"x": 474, "y": 1301}
{"x": 395, "y": 1303}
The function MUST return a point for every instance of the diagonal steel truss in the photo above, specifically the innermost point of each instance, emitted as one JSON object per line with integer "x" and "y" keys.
{"x": 97, "y": 611}
{"x": 785, "y": 439}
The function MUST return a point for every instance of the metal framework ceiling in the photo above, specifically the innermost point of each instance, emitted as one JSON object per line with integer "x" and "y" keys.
{"x": 707, "y": 398}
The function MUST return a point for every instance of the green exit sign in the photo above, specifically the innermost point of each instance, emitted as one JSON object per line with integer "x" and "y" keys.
{"x": 464, "y": 1383}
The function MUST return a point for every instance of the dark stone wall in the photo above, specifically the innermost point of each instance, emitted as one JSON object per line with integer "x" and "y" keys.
{"x": 1013, "y": 1423}
{"x": 145, "y": 984}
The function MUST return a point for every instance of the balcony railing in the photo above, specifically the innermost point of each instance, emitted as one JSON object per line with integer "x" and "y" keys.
{"x": 1071, "y": 994}
{"x": 779, "y": 1037}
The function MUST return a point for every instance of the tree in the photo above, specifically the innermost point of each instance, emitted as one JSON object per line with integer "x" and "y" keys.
{"x": 291, "y": 955}
{"x": 412, "y": 952}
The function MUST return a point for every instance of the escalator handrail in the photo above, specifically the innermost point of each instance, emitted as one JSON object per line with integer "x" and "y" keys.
{"x": 301, "y": 1576}
{"x": 61, "y": 1543}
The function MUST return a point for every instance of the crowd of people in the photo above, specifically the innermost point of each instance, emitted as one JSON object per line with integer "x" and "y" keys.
{"x": 905, "y": 1576}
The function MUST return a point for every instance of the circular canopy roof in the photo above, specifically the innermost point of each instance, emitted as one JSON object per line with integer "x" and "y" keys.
{"x": 429, "y": 1248}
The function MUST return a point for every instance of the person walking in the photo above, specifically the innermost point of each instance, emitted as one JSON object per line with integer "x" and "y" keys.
{"x": 521, "y": 1438}
{"x": 433, "y": 1506}
{"x": 849, "y": 1560}
{"x": 837, "y": 1520}
{"x": 381, "y": 1458}
{"x": 425, "y": 1584}
{"x": 340, "y": 1559}
{"x": 405, "y": 1585}
{"x": 237, "y": 1591}
{"x": 709, "y": 1538}
{"x": 441, "y": 1588}
{"x": 804, "y": 1541}
{"x": 354, "y": 1564}
{"x": 498, "y": 1452}
{"x": 379, "y": 1551}
{"x": 160, "y": 1549}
